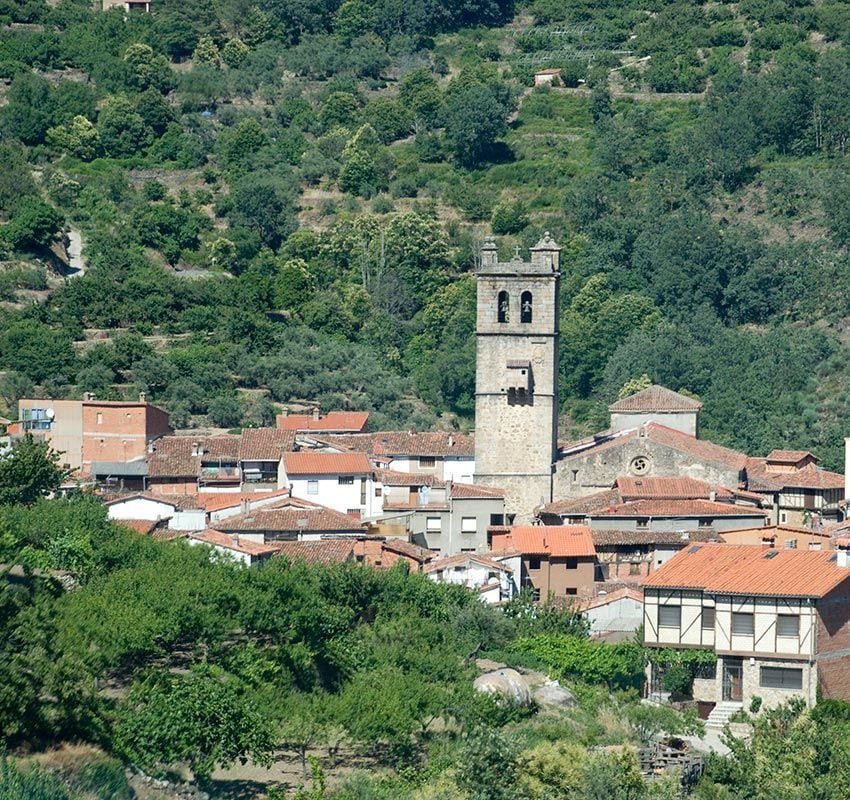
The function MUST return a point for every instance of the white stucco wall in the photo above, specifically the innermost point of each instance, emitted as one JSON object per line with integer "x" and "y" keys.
{"x": 140, "y": 508}
{"x": 331, "y": 493}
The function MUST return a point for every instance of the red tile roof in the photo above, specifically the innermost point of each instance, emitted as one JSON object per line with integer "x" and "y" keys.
{"x": 655, "y": 398}
{"x": 631, "y": 592}
{"x": 583, "y": 505}
{"x": 750, "y": 570}
{"x": 421, "y": 555}
{"x": 117, "y": 499}
{"x": 809, "y": 477}
{"x": 552, "y": 540}
{"x": 406, "y": 443}
{"x": 143, "y": 526}
{"x": 288, "y": 517}
{"x": 789, "y": 456}
{"x": 461, "y": 559}
{"x": 325, "y": 551}
{"x": 620, "y": 538}
{"x": 217, "y": 538}
{"x": 216, "y": 501}
{"x": 678, "y": 508}
{"x": 772, "y": 531}
{"x": 306, "y": 462}
{"x": 668, "y": 488}
{"x": 265, "y": 444}
{"x": 332, "y": 422}
{"x": 172, "y": 455}
{"x": 463, "y": 491}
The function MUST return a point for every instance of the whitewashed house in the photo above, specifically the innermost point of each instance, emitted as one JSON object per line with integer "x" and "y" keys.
{"x": 341, "y": 481}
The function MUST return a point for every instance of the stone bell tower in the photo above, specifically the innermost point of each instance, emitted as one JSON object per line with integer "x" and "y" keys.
{"x": 516, "y": 377}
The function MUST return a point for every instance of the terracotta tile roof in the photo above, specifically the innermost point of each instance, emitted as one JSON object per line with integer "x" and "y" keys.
{"x": 172, "y": 455}
{"x": 789, "y": 456}
{"x": 265, "y": 444}
{"x": 583, "y": 505}
{"x": 759, "y": 479}
{"x": 461, "y": 559}
{"x": 678, "y": 508}
{"x": 421, "y": 555}
{"x": 471, "y": 491}
{"x": 123, "y": 498}
{"x": 656, "y": 398}
{"x": 552, "y": 540}
{"x": 168, "y": 535}
{"x": 668, "y": 488}
{"x": 631, "y": 592}
{"x": 772, "y": 531}
{"x": 332, "y": 422}
{"x": 216, "y": 501}
{"x": 414, "y": 505}
{"x": 620, "y": 538}
{"x": 306, "y": 462}
{"x": 390, "y": 477}
{"x": 287, "y": 517}
{"x": 325, "y": 551}
{"x": 750, "y": 570}
{"x": 428, "y": 443}
{"x": 217, "y": 538}
{"x": 143, "y": 526}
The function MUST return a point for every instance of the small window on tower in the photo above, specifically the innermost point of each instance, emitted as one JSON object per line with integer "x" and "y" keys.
{"x": 525, "y": 307}
{"x": 503, "y": 302}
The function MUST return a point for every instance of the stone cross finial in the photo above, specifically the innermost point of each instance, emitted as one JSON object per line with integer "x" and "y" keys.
{"x": 516, "y": 253}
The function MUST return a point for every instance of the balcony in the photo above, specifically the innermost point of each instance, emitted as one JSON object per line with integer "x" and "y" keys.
{"x": 219, "y": 474}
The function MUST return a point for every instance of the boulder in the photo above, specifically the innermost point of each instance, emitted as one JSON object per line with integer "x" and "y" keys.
{"x": 507, "y": 682}
{"x": 553, "y": 695}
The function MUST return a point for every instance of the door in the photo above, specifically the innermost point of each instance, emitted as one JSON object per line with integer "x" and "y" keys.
{"x": 733, "y": 679}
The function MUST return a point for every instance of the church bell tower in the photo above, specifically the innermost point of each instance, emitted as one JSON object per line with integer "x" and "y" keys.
{"x": 516, "y": 378}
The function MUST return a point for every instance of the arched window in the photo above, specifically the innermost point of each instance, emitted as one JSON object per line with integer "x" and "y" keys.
{"x": 503, "y": 302}
{"x": 525, "y": 307}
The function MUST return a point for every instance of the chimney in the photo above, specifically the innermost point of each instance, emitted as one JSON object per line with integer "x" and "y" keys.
{"x": 143, "y": 398}
{"x": 88, "y": 397}
{"x": 451, "y": 441}
{"x": 244, "y": 506}
{"x": 847, "y": 468}
{"x": 316, "y": 413}
{"x": 236, "y": 539}
{"x": 196, "y": 449}
{"x": 842, "y": 557}
{"x": 411, "y": 431}
{"x": 712, "y": 495}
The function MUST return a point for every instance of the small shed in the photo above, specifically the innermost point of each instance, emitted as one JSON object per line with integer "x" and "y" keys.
{"x": 548, "y": 77}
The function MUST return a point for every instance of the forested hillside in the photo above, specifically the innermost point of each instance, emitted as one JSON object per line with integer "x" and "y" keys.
{"x": 283, "y": 202}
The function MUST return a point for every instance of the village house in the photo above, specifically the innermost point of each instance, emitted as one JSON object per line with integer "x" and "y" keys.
{"x": 613, "y": 613}
{"x": 135, "y": 6}
{"x": 443, "y": 516}
{"x": 261, "y": 452}
{"x": 557, "y": 561}
{"x": 342, "y": 481}
{"x": 490, "y": 576}
{"x": 778, "y": 621}
{"x": 548, "y": 77}
{"x": 445, "y": 455}
{"x": 783, "y": 536}
{"x": 108, "y": 439}
{"x": 245, "y": 551}
{"x": 290, "y": 519}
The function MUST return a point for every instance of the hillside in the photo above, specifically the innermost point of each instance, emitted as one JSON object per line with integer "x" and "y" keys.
{"x": 283, "y": 204}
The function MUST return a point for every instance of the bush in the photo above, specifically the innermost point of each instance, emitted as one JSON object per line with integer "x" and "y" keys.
{"x": 677, "y": 679}
{"x": 105, "y": 779}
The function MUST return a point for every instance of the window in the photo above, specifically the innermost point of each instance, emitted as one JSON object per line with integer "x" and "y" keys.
{"x": 669, "y": 616}
{"x": 345, "y": 480}
{"x": 497, "y": 519}
{"x": 574, "y": 474}
{"x": 353, "y": 512}
{"x": 781, "y": 678}
{"x": 433, "y": 524}
{"x": 468, "y": 525}
{"x": 100, "y": 418}
{"x": 783, "y": 517}
{"x": 534, "y": 562}
{"x": 634, "y": 568}
{"x": 743, "y": 624}
{"x": 788, "y": 625}
{"x": 378, "y": 491}
{"x": 707, "y": 619}
{"x": 815, "y": 546}
{"x": 427, "y": 462}
{"x": 639, "y": 465}
{"x": 572, "y": 563}
{"x": 571, "y": 590}
{"x": 467, "y": 550}
{"x": 503, "y": 307}
{"x": 642, "y": 523}
{"x": 525, "y": 307}
{"x": 705, "y": 523}
{"x": 312, "y": 487}
{"x": 790, "y": 544}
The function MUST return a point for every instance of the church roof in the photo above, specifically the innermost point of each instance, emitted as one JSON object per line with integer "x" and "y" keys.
{"x": 655, "y": 398}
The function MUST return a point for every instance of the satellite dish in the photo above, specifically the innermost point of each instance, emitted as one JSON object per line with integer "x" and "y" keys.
{"x": 50, "y": 413}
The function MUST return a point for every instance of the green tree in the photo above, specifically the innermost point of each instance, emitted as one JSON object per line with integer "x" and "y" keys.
{"x": 234, "y": 52}
{"x": 28, "y": 471}
{"x": 80, "y": 138}
{"x": 202, "y": 718}
{"x": 123, "y": 131}
{"x": 206, "y": 52}
{"x": 36, "y": 350}
{"x": 33, "y": 224}
{"x": 474, "y": 119}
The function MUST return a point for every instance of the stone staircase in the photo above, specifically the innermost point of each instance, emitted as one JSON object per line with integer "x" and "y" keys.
{"x": 721, "y": 713}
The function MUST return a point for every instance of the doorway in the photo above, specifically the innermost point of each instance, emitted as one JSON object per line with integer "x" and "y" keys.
{"x": 733, "y": 680}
